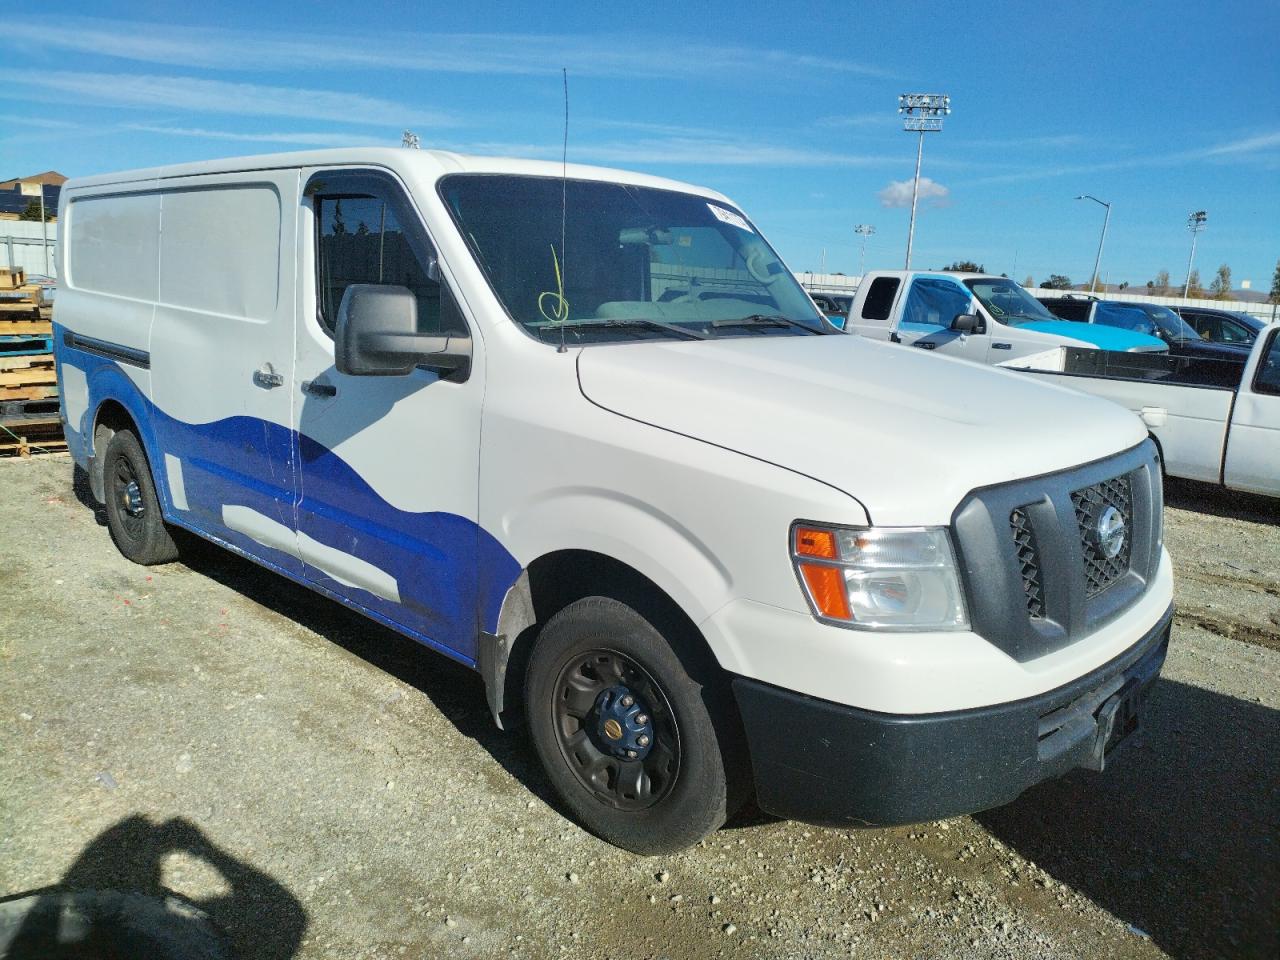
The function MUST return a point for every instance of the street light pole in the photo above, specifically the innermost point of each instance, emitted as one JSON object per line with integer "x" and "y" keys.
{"x": 1093, "y": 283}
{"x": 1195, "y": 223}
{"x": 921, "y": 113}
{"x": 863, "y": 230}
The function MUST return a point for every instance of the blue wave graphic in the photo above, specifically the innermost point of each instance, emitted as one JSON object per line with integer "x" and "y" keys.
{"x": 451, "y": 574}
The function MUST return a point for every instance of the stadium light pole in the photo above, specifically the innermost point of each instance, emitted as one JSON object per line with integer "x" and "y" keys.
{"x": 921, "y": 113}
{"x": 1195, "y": 223}
{"x": 1093, "y": 283}
{"x": 863, "y": 230}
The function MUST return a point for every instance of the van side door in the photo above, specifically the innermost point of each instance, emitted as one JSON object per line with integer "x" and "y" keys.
{"x": 387, "y": 517}
{"x": 930, "y": 307}
{"x": 222, "y": 360}
{"x": 1253, "y": 442}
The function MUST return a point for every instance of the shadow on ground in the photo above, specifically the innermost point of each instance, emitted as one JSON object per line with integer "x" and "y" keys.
{"x": 1181, "y": 837}
{"x": 1218, "y": 501}
{"x": 260, "y": 917}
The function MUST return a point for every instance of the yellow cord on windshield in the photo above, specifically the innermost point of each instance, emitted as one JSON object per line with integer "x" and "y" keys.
{"x": 560, "y": 312}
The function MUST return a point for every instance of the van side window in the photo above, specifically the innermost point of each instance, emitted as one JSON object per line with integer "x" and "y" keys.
{"x": 367, "y": 233}
{"x": 935, "y": 302}
{"x": 880, "y": 298}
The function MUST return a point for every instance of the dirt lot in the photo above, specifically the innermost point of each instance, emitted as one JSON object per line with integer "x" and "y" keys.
{"x": 324, "y": 788}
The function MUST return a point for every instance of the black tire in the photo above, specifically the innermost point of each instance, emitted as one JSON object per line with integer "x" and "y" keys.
{"x": 133, "y": 510}
{"x": 688, "y": 777}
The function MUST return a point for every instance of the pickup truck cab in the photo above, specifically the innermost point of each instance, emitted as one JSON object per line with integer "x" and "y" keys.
{"x": 1227, "y": 434}
{"x": 1182, "y": 339}
{"x": 973, "y": 317}
{"x": 582, "y": 431}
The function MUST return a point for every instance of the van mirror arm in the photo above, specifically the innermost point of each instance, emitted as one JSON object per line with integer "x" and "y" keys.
{"x": 450, "y": 351}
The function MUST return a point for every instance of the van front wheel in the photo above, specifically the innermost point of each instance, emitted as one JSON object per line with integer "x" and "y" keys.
{"x": 133, "y": 509}
{"x": 627, "y": 737}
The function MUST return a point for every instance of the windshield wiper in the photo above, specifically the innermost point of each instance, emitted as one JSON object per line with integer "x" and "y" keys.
{"x": 764, "y": 320}
{"x": 633, "y": 323}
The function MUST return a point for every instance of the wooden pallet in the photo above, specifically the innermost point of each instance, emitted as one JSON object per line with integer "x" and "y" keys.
{"x": 28, "y": 378}
{"x": 19, "y": 346}
{"x": 25, "y": 327}
{"x": 23, "y": 438}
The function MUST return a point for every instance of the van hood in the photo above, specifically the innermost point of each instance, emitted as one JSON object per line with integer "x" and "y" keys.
{"x": 907, "y": 434}
{"x": 1098, "y": 335}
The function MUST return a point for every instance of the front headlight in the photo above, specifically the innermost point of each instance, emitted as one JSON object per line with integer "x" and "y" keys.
{"x": 880, "y": 578}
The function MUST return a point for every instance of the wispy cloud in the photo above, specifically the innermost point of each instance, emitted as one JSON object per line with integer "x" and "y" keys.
{"x": 898, "y": 193}
{"x": 1247, "y": 145}
{"x": 845, "y": 121}
{"x": 307, "y": 139}
{"x": 1260, "y": 146}
{"x": 194, "y": 95}
{"x": 1049, "y": 141}
{"x": 469, "y": 53}
{"x": 684, "y": 151}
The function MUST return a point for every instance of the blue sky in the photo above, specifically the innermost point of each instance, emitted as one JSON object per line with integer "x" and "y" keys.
{"x": 787, "y": 107}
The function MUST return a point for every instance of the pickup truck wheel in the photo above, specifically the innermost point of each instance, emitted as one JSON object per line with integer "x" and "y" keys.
{"x": 625, "y": 735}
{"x": 133, "y": 509}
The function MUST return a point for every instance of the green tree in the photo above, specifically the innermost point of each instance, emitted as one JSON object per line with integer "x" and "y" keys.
{"x": 1275, "y": 285}
{"x": 1193, "y": 285}
{"x": 33, "y": 212}
{"x": 1221, "y": 286}
{"x": 1057, "y": 281}
{"x": 1160, "y": 285}
{"x": 964, "y": 266}
{"x": 1029, "y": 282}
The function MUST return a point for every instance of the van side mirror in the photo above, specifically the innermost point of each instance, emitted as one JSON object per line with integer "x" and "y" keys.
{"x": 968, "y": 323}
{"x": 377, "y": 335}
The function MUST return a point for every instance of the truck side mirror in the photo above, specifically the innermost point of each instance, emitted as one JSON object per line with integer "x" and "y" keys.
{"x": 968, "y": 323}
{"x": 377, "y": 335}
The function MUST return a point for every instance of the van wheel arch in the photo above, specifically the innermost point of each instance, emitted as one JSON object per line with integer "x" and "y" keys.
{"x": 553, "y": 582}
{"x": 110, "y": 419}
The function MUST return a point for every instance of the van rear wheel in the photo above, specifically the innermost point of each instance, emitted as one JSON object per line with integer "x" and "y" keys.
{"x": 631, "y": 742}
{"x": 133, "y": 509}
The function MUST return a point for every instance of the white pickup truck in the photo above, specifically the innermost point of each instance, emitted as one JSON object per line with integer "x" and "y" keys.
{"x": 975, "y": 317}
{"x": 1229, "y": 435}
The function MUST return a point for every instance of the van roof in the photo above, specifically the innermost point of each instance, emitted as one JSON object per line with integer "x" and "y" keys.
{"x": 435, "y": 163}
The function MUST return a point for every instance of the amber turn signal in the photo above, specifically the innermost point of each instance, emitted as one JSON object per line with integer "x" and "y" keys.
{"x": 827, "y": 588}
{"x": 816, "y": 543}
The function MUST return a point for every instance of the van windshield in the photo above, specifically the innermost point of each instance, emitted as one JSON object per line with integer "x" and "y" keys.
{"x": 625, "y": 262}
{"x": 1008, "y": 302}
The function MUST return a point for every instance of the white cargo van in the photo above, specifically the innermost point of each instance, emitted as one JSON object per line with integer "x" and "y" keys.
{"x": 582, "y": 431}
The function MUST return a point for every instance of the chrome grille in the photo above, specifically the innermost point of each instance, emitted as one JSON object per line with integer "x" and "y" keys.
{"x": 1091, "y": 503}
{"x": 1024, "y": 545}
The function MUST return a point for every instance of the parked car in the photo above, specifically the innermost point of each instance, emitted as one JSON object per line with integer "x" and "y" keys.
{"x": 834, "y": 305}
{"x": 973, "y": 317}
{"x": 1157, "y": 320}
{"x": 696, "y": 539}
{"x": 1222, "y": 326}
{"x": 1224, "y": 435}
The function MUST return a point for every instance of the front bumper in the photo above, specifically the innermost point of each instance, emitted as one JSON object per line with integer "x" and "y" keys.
{"x": 831, "y": 764}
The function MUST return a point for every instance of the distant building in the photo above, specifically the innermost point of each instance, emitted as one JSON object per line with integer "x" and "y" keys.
{"x": 13, "y": 201}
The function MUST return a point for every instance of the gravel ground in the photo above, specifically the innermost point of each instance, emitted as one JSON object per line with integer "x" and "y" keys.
{"x": 325, "y": 788}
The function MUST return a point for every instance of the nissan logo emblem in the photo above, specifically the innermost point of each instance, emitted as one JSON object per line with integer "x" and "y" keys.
{"x": 1110, "y": 533}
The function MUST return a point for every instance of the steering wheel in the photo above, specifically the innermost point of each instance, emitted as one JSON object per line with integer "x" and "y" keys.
{"x": 758, "y": 264}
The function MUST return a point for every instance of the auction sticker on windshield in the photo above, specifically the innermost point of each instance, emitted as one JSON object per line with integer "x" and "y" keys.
{"x": 729, "y": 217}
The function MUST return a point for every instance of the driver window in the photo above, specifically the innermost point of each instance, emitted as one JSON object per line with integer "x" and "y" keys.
{"x": 365, "y": 234}
{"x": 935, "y": 303}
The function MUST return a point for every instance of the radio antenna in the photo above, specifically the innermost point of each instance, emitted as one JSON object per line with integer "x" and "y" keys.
{"x": 564, "y": 202}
